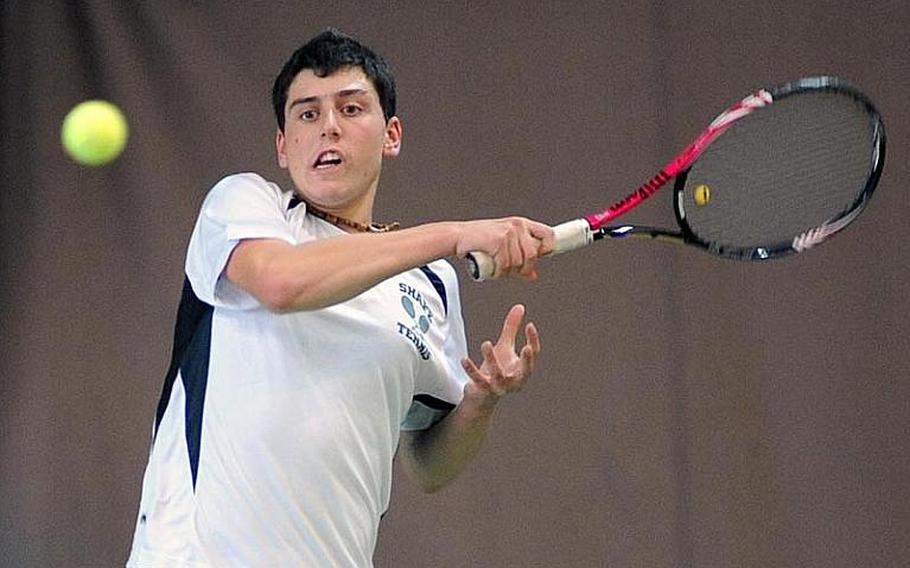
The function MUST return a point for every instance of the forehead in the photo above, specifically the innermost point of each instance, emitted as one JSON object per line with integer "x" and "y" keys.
{"x": 307, "y": 84}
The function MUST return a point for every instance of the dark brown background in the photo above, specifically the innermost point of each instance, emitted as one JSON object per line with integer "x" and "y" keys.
{"x": 689, "y": 411}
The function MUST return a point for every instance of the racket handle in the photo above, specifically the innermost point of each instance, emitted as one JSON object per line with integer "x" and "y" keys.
{"x": 568, "y": 236}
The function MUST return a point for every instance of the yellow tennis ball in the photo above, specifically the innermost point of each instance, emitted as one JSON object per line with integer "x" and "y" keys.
{"x": 702, "y": 194}
{"x": 94, "y": 133}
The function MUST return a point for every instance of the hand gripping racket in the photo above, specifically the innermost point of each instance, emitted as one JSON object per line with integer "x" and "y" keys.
{"x": 774, "y": 174}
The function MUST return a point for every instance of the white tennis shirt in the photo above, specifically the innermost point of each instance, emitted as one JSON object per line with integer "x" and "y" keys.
{"x": 275, "y": 434}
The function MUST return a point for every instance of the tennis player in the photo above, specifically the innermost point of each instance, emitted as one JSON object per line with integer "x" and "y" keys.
{"x": 309, "y": 338}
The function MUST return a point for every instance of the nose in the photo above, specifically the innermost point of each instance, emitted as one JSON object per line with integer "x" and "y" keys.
{"x": 330, "y": 126}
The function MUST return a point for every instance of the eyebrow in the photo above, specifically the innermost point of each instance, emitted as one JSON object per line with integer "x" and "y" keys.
{"x": 344, "y": 93}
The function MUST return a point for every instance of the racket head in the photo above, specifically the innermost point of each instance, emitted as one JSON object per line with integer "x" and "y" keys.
{"x": 787, "y": 176}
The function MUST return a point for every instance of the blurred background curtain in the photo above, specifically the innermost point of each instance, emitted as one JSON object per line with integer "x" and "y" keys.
{"x": 688, "y": 411}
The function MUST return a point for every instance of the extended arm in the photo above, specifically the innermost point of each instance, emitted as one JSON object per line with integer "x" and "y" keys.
{"x": 286, "y": 277}
{"x": 436, "y": 456}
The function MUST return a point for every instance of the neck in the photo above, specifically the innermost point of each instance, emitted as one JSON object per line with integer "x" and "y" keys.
{"x": 350, "y": 225}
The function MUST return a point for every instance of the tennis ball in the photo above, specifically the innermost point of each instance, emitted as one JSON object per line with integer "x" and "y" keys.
{"x": 702, "y": 194}
{"x": 94, "y": 133}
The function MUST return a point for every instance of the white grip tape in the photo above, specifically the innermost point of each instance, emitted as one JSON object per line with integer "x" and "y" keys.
{"x": 572, "y": 235}
{"x": 480, "y": 265}
{"x": 568, "y": 236}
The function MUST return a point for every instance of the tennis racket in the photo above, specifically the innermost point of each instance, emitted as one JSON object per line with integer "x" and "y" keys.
{"x": 775, "y": 174}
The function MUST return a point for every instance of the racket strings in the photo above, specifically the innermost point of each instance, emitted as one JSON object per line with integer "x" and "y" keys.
{"x": 795, "y": 165}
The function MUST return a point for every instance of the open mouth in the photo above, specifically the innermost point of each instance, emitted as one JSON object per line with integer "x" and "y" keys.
{"x": 327, "y": 159}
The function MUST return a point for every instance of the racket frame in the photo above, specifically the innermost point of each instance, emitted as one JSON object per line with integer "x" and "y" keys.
{"x": 581, "y": 232}
{"x": 814, "y": 235}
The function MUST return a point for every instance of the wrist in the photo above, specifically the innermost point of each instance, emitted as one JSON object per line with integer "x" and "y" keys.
{"x": 443, "y": 238}
{"x": 455, "y": 233}
{"x": 479, "y": 404}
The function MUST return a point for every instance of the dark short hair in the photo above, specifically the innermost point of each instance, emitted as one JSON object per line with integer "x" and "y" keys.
{"x": 329, "y": 51}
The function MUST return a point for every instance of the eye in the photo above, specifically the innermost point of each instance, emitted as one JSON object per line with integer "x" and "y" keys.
{"x": 351, "y": 109}
{"x": 308, "y": 115}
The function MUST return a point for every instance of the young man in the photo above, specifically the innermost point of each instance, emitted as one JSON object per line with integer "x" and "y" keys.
{"x": 308, "y": 339}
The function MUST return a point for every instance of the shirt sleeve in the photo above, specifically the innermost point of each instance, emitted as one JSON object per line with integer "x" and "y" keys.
{"x": 428, "y": 408}
{"x": 240, "y": 206}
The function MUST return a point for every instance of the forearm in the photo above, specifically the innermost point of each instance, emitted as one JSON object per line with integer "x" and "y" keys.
{"x": 435, "y": 457}
{"x": 321, "y": 273}
{"x": 325, "y": 272}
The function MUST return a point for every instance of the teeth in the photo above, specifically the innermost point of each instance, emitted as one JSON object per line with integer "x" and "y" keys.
{"x": 328, "y": 158}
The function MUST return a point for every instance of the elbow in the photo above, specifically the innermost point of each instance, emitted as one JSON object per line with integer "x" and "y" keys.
{"x": 277, "y": 305}
{"x": 279, "y": 294}
{"x": 282, "y": 296}
{"x": 430, "y": 479}
{"x": 429, "y": 484}
{"x": 266, "y": 271}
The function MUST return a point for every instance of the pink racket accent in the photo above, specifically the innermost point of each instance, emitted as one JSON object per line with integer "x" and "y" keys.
{"x": 684, "y": 160}
{"x": 814, "y": 236}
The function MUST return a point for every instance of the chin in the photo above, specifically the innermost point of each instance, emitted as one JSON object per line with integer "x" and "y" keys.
{"x": 329, "y": 196}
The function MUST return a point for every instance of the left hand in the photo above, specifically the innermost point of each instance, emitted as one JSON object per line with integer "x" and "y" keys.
{"x": 503, "y": 369}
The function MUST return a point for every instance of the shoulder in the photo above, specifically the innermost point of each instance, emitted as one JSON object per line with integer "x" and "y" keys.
{"x": 245, "y": 189}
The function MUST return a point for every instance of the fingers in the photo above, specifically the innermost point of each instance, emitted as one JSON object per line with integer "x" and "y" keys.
{"x": 511, "y": 255}
{"x": 514, "y": 243}
{"x": 531, "y": 350}
{"x": 510, "y": 326}
{"x": 533, "y": 338}
{"x": 530, "y": 251}
{"x": 490, "y": 377}
{"x": 490, "y": 365}
{"x": 545, "y": 236}
{"x": 528, "y": 358}
{"x": 473, "y": 372}
{"x": 534, "y": 240}
{"x": 489, "y": 360}
{"x": 503, "y": 370}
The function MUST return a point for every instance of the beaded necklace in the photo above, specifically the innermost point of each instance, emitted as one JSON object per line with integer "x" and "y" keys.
{"x": 359, "y": 227}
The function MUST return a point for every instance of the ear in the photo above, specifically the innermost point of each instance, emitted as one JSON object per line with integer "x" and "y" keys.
{"x": 280, "y": 149}
{"x": 392, "y": 145}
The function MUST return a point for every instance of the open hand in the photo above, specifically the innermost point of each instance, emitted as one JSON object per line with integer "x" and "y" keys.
{"x": 503, "y": 369}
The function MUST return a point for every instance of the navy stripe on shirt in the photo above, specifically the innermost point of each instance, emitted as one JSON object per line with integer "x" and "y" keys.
{"x": 190, "y": 356}
{"x": 436, "y": 281}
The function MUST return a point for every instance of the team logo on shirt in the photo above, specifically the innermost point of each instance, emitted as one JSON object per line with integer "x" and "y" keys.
{"x": 420, "y": 318}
